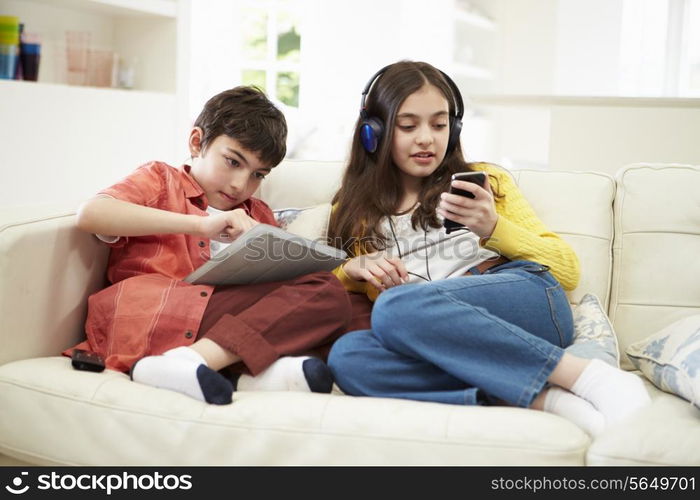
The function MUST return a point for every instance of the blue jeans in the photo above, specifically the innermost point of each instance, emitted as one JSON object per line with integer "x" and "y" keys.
{"x": 481, "y": 339}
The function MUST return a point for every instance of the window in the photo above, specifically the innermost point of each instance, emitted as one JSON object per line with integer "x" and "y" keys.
{"x": 271, "y": 48}
{"x": 644, "y": 47}
{"x": 689, "y": 74}
{"x": 660, "y": 48}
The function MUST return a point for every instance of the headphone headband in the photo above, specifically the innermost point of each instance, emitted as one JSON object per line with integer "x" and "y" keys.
{"x": 363, "y": 109}
{"x": 456, "y": 94}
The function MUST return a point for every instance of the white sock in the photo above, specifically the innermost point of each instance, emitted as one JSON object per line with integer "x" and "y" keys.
{"x": 183, "y": 370}
{"x": 615, "y": 393}
{"x": 565, "y": 404}
{"x": 301, "y": 374}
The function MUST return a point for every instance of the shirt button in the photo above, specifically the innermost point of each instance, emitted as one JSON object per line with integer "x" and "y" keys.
{"x": 203, "y": 294}
{"x": 188, "y": 334}
{"x": 201, "y": 244}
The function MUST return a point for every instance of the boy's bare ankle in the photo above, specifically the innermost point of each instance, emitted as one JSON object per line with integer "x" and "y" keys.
{"x": 215, "y": 356}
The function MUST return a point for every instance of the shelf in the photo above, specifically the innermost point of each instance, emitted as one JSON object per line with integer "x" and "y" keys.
{"x": 142, "y": 33}
{"x": 476, "y": 41}
{"x": 22, "y": 86}
{"x": 138, "y": 8}
{"x": 475, "y": 20}
{"x": 584, "y": 100}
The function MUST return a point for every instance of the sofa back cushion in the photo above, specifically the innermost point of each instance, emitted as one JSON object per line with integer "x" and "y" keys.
{"x": 576, "y": 205}
{"x": 656, "y": 275}
{"x": 579, "y": 207}
{"x": 301, "y": 183}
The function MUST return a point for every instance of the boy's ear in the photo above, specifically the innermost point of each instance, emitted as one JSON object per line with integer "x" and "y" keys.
{"x": 196, "y": 135}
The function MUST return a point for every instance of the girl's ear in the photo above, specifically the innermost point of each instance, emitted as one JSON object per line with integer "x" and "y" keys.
{"x": 195, "y": 142}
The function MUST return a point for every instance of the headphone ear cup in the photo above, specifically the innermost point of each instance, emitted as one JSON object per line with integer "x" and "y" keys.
{"x": 455, "y": 130}
{"x": 371, "y": 132}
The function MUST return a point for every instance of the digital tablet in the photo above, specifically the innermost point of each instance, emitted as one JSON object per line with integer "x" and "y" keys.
{"x": 266, "y": 253}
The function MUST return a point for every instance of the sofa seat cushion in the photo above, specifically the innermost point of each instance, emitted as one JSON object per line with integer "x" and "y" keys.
{"x": 52, "y": 414}
{"x": 667, "y": 432}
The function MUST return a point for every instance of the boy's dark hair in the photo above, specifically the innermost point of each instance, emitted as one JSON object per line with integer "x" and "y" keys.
{"x": 247, "y": 115}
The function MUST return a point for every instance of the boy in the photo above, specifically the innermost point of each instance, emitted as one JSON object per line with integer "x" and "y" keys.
{"x": 162, "y": 223}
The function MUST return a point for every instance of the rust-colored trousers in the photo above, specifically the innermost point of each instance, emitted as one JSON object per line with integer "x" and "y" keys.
{"x": 261, "y": 322}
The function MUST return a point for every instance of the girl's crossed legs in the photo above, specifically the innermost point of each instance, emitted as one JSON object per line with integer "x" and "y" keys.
{"x": 488, "y": 339}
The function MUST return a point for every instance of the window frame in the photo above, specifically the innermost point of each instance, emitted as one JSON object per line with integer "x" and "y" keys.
{"x": 271, "y": 66}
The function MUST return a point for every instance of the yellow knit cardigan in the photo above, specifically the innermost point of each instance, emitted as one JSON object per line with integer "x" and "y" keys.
{"x": 519, "y": 234}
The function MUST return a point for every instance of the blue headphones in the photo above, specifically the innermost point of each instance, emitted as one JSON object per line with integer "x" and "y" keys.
{"x": 372, "y": 128}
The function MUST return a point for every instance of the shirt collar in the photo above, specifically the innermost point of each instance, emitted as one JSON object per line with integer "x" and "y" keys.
{"x": 192, "y": 189}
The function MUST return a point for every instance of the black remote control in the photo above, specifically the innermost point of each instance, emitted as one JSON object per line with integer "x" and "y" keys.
{"x": 87, "y": 360}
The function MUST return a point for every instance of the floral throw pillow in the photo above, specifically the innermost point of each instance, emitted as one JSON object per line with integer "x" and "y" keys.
{"x": 670, "y": 358}
{"x": 594, "y": 336}
{"x": 309, "y": 222}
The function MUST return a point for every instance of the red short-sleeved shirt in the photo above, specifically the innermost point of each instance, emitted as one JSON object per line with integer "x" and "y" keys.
{"x": 148, "y": 309}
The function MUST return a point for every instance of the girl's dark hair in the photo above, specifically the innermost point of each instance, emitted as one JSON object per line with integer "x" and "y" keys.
{"x": 247, "y": 115}
{"x": 371, "y": 188}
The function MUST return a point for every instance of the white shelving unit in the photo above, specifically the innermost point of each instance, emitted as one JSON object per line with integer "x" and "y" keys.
{"x": 69, "y": 141}
{"x": 159, "y": 8}
{"x": 143, "y": 34}
{"x": 475, "y": 20}
{"x": 475, "y": 46}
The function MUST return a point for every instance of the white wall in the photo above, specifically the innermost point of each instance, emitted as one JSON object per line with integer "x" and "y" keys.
{"x": 522, "y": 135}
{"x": 214, "y": 48}
{"x": 61, "y": 144}
{"x": 606, "y": 134}
{"x": 588, "y": 47}
{"x": 583, "y": 47}
{"x": 152, "y": 55}
{"x": 529, "y": 39}
{"x": 590, "y": 133}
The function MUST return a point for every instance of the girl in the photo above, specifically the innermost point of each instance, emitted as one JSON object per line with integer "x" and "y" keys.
{"x": 477, "y": 316}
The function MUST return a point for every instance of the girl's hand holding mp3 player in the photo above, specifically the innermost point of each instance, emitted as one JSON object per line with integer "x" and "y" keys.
{"x": 469, "y": 204}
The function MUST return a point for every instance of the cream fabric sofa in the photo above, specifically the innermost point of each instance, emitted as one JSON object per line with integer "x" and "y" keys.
{"x": 638, "y": 238}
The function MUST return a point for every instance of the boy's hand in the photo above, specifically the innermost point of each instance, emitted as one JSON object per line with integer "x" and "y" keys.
{"x": 227, "y": 226}
{"x": 378, "y": 269}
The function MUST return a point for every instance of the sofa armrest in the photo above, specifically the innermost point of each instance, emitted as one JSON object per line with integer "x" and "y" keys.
{"x": 48, "y": 268}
